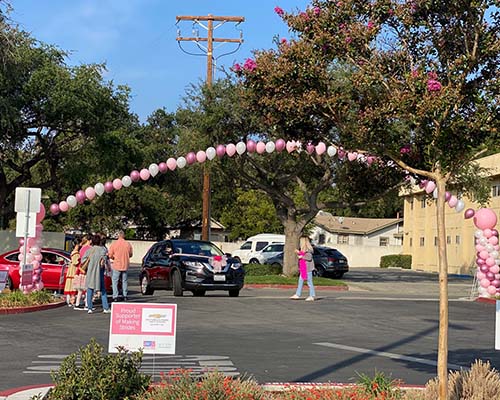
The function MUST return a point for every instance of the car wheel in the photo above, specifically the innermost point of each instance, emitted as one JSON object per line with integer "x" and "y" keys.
{"x": 145, "y": 287}
{"x": 237, "y": 259}
{"x": 338, "y": 275}
{"x": 9, "y": 284}
{"x": 276, "y": 265}
{"x": 254, "y": 261}
{"x": 199, "y": 293}
{"x": 177, "y": 283}
{"x": 234, "y": 292}
{"x": 319, "y": 271}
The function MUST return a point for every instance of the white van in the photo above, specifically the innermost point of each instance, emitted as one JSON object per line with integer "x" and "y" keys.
{"x": 254, "y": 244}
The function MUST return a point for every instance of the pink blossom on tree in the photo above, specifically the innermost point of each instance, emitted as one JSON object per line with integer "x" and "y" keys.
{"x": 433, "y": 85}
{"x": 279, "y": 11}
{"x": 249, "y": 65}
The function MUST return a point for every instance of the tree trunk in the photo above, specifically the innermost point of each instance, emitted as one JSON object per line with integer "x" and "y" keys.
{"x": 442, "y": 366}
{"x": 293, "y": 230}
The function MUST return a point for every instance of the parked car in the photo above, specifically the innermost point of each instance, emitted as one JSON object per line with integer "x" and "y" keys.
{"x": 254, "y": 244}
{"x": 328, "y": 262}
{"x": 54, "y": 268}
{"x": 267, "y": 252}
{"x": 192, "y": 265}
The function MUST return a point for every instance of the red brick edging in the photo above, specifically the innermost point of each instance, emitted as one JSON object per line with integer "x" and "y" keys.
{"x": 19, "y": 310}
{"x": 269, "y": 285}
{"x": 10, "y": 392}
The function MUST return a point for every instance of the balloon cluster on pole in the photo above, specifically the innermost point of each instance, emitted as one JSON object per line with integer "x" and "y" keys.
{"x": 33, "y": 255}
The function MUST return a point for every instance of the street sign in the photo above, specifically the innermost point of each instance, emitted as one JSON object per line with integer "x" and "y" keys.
{"x": 28, "y": 199}
{"x": 21, "y": 224}
{"x": 146, "y": 326}
{"x": 27, "y": 275}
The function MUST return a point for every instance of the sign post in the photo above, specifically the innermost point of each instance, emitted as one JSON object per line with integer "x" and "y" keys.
{"x": 27, "y": 205}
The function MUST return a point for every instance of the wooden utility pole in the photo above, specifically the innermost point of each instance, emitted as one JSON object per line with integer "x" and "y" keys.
{"x": 209, "y": 19}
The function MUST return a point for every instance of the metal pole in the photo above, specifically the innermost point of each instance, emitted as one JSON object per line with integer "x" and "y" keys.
{"x": 26, "y": 229}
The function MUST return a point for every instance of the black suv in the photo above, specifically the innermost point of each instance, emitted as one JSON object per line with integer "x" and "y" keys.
{"x": 192, "y": 265}
{"x": 329, "y": 262}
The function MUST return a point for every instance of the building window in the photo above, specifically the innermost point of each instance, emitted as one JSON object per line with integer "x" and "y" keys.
{"x": 342, "y": 238}
{"x": 411, "y": 242}
{"x": 358, "y": 240}
{"x": 457, "y": 239}
{"x": 435, "y": 240}
{"x": 422, "y": 242}
{"x": 321, "y": 238}
{"x": 448, "y": 239}
{"x": 423, "y": 203}
{"x": 383, "y": 241}
{"x": 411, "y": 203}
{"x": 495, "y": 190}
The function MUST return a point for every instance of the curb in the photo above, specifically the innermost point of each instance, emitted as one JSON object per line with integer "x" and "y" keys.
{"x": 278, "y": 286}
{"x": 20, "y": 310}
{"x": 283, "y": 386}
{"x": 24, "y": 392}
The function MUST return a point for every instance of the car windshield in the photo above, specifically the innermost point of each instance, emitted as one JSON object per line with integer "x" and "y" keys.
{"x": 200, "y": 248}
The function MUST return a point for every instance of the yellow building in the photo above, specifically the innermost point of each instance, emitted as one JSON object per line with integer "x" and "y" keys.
{"x": 420, "y": 226}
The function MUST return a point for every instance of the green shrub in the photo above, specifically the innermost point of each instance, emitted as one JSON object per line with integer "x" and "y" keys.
{"x": 180, "y": 385}
{"x": 262, "y": 269}
{"x": 89, "y": 374}
{"x": 17, "y": 298}
{"x": 396, "y": 261}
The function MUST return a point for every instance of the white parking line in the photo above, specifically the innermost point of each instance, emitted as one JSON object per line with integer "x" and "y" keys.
{"x": 388, "y": 355}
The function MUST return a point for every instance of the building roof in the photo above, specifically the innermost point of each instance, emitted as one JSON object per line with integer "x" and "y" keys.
{"x": 360, "y": 226}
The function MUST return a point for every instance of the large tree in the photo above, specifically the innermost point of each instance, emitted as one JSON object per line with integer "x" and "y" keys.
{"x": 420, "y": 88}
{"x": 48, "y": 113}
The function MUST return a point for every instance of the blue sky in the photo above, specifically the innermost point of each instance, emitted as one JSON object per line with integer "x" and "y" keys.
{"x": 136, "y": 39}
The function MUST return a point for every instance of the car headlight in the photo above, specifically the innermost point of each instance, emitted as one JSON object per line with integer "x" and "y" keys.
{"x": 236, "y": 265}
{"x": 194, "y": 265}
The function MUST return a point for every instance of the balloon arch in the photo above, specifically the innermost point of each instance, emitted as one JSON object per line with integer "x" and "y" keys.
{"x": 485, "y": 219}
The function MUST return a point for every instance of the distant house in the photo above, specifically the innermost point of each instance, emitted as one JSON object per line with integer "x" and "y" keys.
{"x": 192, "y": 230}
{"x": 362, "y": 240}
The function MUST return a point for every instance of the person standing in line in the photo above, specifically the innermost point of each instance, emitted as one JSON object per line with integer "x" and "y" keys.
{"x": 69, "y": 287}
{"x": 84, "y": 247}
{"x": 95, "y": 273}
{"x": 120, "y": 252}
{"x": 306, "y": 268}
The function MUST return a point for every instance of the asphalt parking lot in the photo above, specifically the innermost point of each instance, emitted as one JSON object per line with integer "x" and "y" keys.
{"x": 387, "y": 321}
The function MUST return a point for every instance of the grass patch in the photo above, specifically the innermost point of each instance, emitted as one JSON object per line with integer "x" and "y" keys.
{"x": 17, "y": 298}
{"x": 283, "y": 280}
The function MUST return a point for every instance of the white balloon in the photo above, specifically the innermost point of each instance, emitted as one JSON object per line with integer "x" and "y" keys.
{"x": 460, "y": 205}
{"x": 153, "y": 169}
{"x": 181, "y": 162}
{"x": 489, "y": 248}
{"x": 71, "y": 200}
{"x": 483, "y": 241}
{"x": 240, "y": 148}
{"x": 435, "y": 193}
{"x": 331, "y": 151}
{"x": 211, "y": 153}
{"x": 99, "y": 188}
{"x": 270, "y": 146}
{"x": 126, "y": 181}
{"x": 494, "y": 254}
{"x": 478, "y": 233}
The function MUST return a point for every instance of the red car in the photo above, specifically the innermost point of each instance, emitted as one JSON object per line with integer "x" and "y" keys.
{"x": 54, "y": 267}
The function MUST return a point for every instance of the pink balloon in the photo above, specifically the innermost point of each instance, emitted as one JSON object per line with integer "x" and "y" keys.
{"x": 144, "y": 174}
{"x": 280, "y": 145}
{"x": 494, "y": 232}
{"x": 484, "y": 268}
{"x": 480, "y": 275}
{"x": 171, "y": 164}
{"x": 490, "y": 261}
{"x": 484, "y": 282}
{"x": 497, "y": 276}
{"x": 340, "y": 154}
{"x": 35, "y": 263}
{"x": 90, "y": 193}
{"x": 487, "y": 233}
{"x": 485, "y": 218}
{"x": 492, "y": 290}
{"x": 21, "y": 242}
{"x": 310, "y": 148}
{"x": 352, "y": 156}
{"x": 201, "y": 156}
{"x": 370, "y": 160}
{"x": 190, "y": 158}
{"x": 495, "y": 269}
{"x": 469, "y": 213}
{"x": 63, "y": 206}
{"x": 230, "y": 149}
{"x": 490, "y": 276}
{"x": 117, "y": 183}
{"x": 447, "y": 196}
{"x": 40, "y": 215}
{"x": 80, "y": 196}
{"x": 495, "y": 282}
{"x": 220, "y": 150}
{"x": 320, "y": 148}
{"x": 261, "y": 147}
{"x": 135, "y": 176}
{"x": 38, "y": 257}
{"x": 496, "y": 247}
{"x": 493, "y": 240}
{"x": 484, "y": 254}
{"x": 251, "y": 146}
{"x": 453, "y": 201}
{"x": 290, "y": 146}
{"x": 108, "y": 187}
{"x": 479, "y": 248}
{"x": 39, "y": 285}
{"x": 162, "y": 167}
{"x": 429, "y": 187}
{"x": 479, "y": 261}
{"x": 54, "y": 209}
